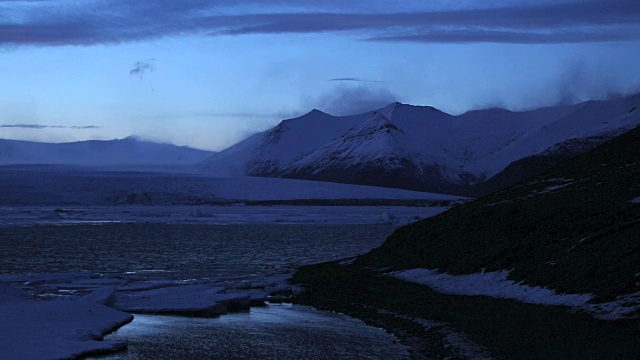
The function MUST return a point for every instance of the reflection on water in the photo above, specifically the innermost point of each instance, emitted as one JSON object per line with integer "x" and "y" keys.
{"x": 271, "y": 332}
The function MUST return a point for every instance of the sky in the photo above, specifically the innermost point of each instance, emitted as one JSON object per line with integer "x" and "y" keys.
{"x": 207, "y": 74}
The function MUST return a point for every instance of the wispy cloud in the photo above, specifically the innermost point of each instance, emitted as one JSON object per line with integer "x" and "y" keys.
{"x": 349, "y": 100}
{"x": 511, "y": 37}
{"x": 37, "y": 126}
{"x": 143, "y": 66}
{"x": 354, "y": 79}
{"x": 113, "y": 21}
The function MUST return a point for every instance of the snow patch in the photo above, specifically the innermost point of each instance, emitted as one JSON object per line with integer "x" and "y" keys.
{"x": 494, "y": 284}
{"x": 346, "y": 262}
{"x": 553, "y": 188}
{"x": 195, "y": 299}
{"x": 62, "y": 328}
{"x": 626, "y": 306}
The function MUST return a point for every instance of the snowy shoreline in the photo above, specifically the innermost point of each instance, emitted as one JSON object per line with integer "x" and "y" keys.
{"x": 67, "y": 315}
{"x": 36, "y": 329}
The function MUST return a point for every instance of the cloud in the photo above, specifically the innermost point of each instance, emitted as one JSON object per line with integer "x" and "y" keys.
{"x": 512, "y": 37}
{"x": 585, "y": 80}
{"x": 37, "y": 127}
{"x": 353, "y": 79}
{"x": 46, "y": 23}
{"x": 349, "y": 100}
{"x": 141, "y": 67}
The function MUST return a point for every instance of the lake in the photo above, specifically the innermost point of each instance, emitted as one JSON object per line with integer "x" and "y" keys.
{"x": 226, "y": 255}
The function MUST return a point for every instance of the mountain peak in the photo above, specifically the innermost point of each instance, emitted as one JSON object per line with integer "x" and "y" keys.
{"x": 388, "y": 110}
{"x": 131, "y": 138}
{"x": 398, "y": 109}
{"x": 316, "y": 112}
{"x": 377, "y": 123}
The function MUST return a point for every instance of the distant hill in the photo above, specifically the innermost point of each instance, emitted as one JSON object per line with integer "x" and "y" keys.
{"x": 128, "y": 152}
{"x": 422, "y": 148}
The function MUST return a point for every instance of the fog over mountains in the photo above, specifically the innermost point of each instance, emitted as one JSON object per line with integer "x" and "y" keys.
{"x": 422, "y": 148}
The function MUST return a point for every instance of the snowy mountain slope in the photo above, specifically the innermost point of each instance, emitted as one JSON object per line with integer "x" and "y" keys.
{"x": 606, "y": 119}
{"x": 374, "y": 152}
{"x": 422, "y": 148}
{"x": 128, "y": 151}
{"x": 375, "y": 139}
{"x": 267, "y": 153}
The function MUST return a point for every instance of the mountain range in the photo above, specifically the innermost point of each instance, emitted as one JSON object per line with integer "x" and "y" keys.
{"x": 399, "y": 146}
{"x": 128, "y": 151}
{"x": 422, "y": 148}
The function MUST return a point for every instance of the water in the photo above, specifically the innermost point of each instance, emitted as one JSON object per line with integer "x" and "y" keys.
{"x": 272, "y": 332}
{"x": 222, "y": 254}
{"x": 176, "y": 251}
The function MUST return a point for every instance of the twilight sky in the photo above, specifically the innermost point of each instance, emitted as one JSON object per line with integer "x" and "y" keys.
{"x": 208, "y": 73}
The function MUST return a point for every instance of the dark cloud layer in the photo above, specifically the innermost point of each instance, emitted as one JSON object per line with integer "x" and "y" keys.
{"x": 38, "y": 127}
{"x": 114, "y": 21}
{"x": 513, "y": 37}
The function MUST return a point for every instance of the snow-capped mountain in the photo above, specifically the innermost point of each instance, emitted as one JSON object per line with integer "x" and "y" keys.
{"x": 270, "y": 152}
{"x": 359, "y": 155}
{"x": 127, "y": 151}
{"x": 422, "y": 148}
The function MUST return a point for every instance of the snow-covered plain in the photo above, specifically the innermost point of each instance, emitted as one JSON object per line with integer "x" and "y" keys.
{"x": 497, "y": 285}
{"x": 60, "y": 185}
{"x": 54, "y": 329}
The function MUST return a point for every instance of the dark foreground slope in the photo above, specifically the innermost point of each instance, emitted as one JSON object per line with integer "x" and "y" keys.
{"x": 575, "y": 229}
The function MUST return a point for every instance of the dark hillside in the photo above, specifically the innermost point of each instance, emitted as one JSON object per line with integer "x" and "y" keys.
{"x": 574, "y": 229}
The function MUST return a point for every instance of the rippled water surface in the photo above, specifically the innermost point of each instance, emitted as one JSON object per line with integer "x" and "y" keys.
{"x": 229, "y": 254}
{"x": 181, "y": 251}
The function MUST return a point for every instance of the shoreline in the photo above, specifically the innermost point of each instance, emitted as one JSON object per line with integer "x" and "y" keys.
{"x": 274, "y": 330}
{"x": 500, "y": 328}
